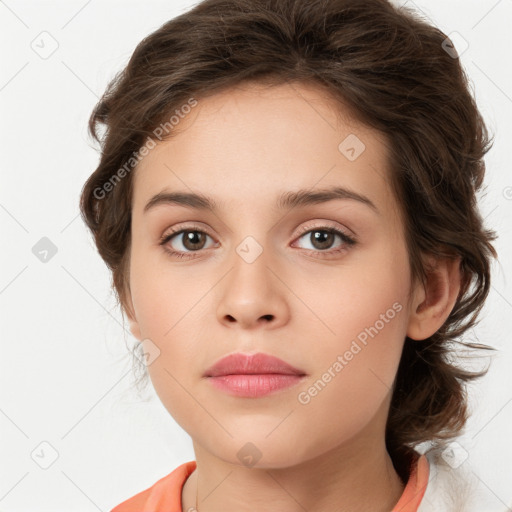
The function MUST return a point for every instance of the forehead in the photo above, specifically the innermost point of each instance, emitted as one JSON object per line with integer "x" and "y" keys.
{"x": 252, "y": 141}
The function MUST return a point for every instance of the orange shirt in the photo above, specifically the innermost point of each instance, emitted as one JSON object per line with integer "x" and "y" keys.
{"x": 165, "y": 494}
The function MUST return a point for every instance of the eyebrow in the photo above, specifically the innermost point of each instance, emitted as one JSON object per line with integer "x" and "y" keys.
{"x": 286, "y": 200}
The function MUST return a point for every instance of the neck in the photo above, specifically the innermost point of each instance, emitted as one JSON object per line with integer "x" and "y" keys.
{"x": 356, "y": 479}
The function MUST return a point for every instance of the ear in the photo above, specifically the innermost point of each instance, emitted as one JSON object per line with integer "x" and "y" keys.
{"x": 432, "y": 304}
{"x": 130, "y": 313}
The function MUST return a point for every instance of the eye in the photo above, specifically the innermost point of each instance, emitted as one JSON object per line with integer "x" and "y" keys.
{"x": 323, "y": 237}
{"x": 179, "y": 242}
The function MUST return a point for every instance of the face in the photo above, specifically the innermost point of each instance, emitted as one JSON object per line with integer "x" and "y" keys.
{"x": 321, "y": 284}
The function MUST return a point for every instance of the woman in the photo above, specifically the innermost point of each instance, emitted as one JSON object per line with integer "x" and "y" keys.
{"x": 286, "y": 199}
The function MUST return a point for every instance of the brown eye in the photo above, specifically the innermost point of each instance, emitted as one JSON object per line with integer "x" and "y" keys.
{"x": 193, "y": 240}
{"x": 321, "y": 239}
{"x": 185, "y": 241}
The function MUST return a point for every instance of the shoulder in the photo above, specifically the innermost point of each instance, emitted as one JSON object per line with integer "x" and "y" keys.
{"x": 165, "y": 494}
{"x": 451, "y": 483}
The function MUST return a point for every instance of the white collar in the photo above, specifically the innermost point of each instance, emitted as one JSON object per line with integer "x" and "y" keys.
{"x": 449, "y": 489}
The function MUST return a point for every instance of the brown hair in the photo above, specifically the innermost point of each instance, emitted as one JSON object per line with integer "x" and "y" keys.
{"x": 392, "y": 70}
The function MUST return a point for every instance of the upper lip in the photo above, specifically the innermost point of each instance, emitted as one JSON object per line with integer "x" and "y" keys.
{"x": 236, "y": 364}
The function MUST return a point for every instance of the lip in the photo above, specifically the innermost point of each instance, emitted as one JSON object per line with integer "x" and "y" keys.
{"x": 252, "y": 375}
{"x": 251, "y": 364}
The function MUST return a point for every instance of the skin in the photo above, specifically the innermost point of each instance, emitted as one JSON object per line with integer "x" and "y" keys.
{"x": 298, "y": 301}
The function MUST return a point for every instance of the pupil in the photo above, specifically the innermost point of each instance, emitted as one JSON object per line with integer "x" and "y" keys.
{"x": 191, "y": 238}
{"x": 324, "y": 237}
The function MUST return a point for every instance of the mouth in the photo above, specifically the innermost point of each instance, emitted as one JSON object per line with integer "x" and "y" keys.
{"x": 253, "y": 375}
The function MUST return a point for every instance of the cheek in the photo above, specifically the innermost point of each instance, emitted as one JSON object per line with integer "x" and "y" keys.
{"x": 170, "y": 314}
{"x": 354, "y": 375}
{"x": 160, "y": 298}
{"x": 364, "y": 299}
{"x": 358, "y": 329}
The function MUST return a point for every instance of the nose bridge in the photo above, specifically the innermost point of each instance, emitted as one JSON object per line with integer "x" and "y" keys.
{"x": 251, "y": 293}
{"x": 251, "y": 277}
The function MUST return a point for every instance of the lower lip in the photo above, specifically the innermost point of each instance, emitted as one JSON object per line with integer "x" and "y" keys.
{"x": 254, "y": 386}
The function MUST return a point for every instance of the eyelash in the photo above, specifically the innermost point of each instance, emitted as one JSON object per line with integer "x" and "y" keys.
{"x": 348, "y": 241}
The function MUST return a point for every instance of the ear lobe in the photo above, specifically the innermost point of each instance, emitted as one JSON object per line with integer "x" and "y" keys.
{"x": 132, "y": 320}
{"x": 434, "y": 302}
{"x": 135, "y": 329}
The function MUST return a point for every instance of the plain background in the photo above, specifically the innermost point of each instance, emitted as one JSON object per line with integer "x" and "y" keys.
{"x": 66, "y": 377}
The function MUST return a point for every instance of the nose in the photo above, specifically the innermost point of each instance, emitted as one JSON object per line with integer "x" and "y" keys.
{"x": 253, "y": 295}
